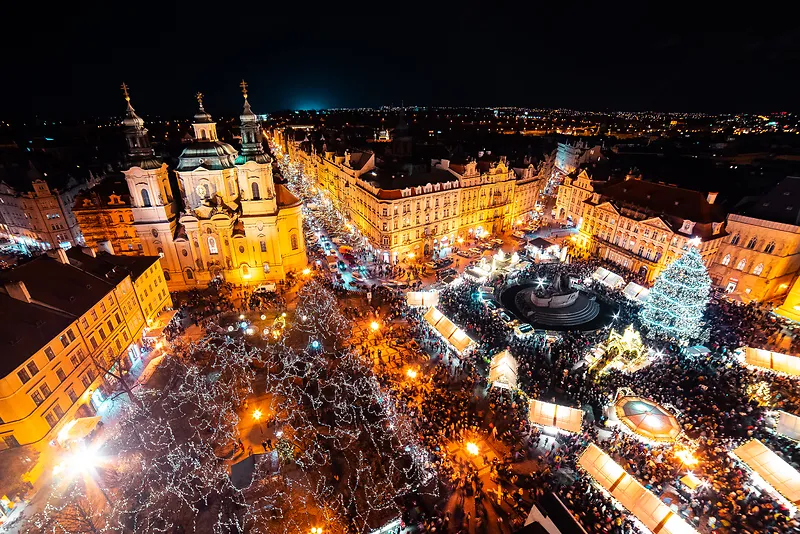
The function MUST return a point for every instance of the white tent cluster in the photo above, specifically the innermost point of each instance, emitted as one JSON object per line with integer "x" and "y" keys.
{"x": 422, "y": 299}
{"x": 770, "y": 468}
{"x": 788, "y": 425}
{"x": 503, "y": 370}
{"x": 774, "y": 361}
{"x": 646, "y": 507}
{"x": 608, "y": 278}
{"x": 457, "y": 338}
{"x": 552, "y": 415}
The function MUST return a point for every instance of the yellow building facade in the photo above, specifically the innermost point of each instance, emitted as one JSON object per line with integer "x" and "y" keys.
{"x": 68, "y": 318}
{"x": 411, "y": 215}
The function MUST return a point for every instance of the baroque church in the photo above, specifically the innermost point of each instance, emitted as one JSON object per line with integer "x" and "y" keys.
{"x": 237, "y": 224}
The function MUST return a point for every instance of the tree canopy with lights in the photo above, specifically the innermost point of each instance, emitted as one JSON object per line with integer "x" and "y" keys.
{"x": 678, "y": 300}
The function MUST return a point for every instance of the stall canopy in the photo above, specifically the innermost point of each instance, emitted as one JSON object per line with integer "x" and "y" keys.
{"x": 773, "y": 469}
{"x": 606, "y": 277}
{"x": 775, "y": 361}
{"x": 422, "y": 298}
{"x": 788, "y": 425}
{"x": 561, "y": 417}
{"x": 503, "y": 370}
{"x": 77, "y": 429}
{"x": 646, "y": 418}
{"x": 156, "y": 329}
{"x": 654, "y": 514}
{"x": 636, "y": 292}
{"x": 449, "y": 331}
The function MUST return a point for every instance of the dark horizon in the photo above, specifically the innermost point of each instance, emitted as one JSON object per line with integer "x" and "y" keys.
{"x": 69, "y": 62}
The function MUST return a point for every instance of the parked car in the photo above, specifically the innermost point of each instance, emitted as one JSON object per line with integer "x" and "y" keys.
{"x": 265, "y": 288}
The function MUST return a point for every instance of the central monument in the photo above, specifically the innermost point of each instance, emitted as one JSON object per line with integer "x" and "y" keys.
{"x": 556, "y": 303}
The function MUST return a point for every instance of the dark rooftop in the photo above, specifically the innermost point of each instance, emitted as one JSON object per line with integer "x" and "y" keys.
{"x": 781, "y": 204}
{"x": 401, "y": 180}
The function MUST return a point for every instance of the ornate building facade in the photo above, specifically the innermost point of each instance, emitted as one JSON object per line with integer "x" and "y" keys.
{"x": 641, "y": 226}
{"x": 413, "y": 214}
{"x": 235, "y": 224}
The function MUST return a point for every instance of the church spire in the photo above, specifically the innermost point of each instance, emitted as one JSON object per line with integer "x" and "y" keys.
{"x": 252, "y": 147}
{"x": 140, "y": 153}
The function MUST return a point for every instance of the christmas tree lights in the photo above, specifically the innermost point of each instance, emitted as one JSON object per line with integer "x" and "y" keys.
{"x": 678, "y": 300}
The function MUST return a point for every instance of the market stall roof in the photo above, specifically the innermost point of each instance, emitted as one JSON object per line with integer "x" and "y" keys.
{"x": 774, "y": 361}
{"x": 422, "y": 298}
{"x": 503, "y": 370}
{"x": 649, "y": 509}
{"x": 449, "y": 331}
{"x": 773, "y": 469}
{"x": 541, "y": 243}
{"x": 646, "y": 418}
{"x": 636, "y": 292}
{"x": 691, "y": 481}
{"x": 561, "y": 417}
{"x": 159, "y": 324}
{"x": 788, "y": 425}
{"x": 150, "y": 369}
{"x": 696, "y": 350}
{"x": 77, "y": 429}
{"x": 608, "y": 278}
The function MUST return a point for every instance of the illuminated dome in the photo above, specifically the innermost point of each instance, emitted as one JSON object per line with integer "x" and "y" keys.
{"x": 648, "y": 419}
{"x": 212, "y": 155}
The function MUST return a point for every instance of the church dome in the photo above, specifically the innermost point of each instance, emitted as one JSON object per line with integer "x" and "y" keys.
{"x": 212, "y": 155}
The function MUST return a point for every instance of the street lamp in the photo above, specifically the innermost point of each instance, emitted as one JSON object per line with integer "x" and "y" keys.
{"x": 472, "y": 448}
{"x": 411, "y": 373}
{"x": 375, "y": 325}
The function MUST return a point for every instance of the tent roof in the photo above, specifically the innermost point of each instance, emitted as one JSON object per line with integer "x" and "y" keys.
{"x": 647, "y": 418}
{"x": 772, "y": 468}
{"x": 562, "y": 417}
{"x": 774, "y": 361}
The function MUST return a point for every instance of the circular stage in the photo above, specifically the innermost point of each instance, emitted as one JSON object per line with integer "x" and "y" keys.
{"x": 556, "y": 306}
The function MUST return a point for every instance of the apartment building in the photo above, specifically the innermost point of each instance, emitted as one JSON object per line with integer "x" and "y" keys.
{"x": 66, "y": 318}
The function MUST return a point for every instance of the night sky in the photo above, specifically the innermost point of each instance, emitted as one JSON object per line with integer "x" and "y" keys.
{"x": 67, "y": 60}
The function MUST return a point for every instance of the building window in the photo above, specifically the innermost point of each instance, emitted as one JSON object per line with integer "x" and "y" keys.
{"x": 726, "y": 260}
{"x": 752, "y": 243}
{"x": 58, "y": 411}
{"x": 75, "y": 361}
{"x": 758, "y": 269}
{"x": 770, "y": 247}
{"x": 102, "y": 333}
{"x": 86, "y": 381}
{"x": 146, "y": 198}
{"x": 84, "y": 322}
{"x": 735, "y": 239}
{"x": 72, "y": 395}
{"x": 263, "y": 246}
{"x": 166, "y": 275}
{"x": 32, "y": 368}
{"x": 49, "y": 352}
{"x": 189, "y": 274}
{"x": 61, "y": 374}
{"x": 293, "y": 239}
{"x": 93, "y": 341}
{"x": 71, "y": 335}
{"x": 9, "y": 442}
{"x": 51, "y": 419}
{"x": 742, "y": 264}
{"x": 45, "y": 389}
{"x": 116, "y": 316}
{"x": 212, "y": 245}
{"x": 256, "y": 192}
{"x": 37, "y": 398}
{"x": 94, "y": 315}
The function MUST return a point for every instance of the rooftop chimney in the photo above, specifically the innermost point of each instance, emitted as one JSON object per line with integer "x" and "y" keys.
{"x": 89, "y": 251}
{"x": 18, "y": 291}
{"x": 59, "y": 254}
{"x": 712, "y": 197}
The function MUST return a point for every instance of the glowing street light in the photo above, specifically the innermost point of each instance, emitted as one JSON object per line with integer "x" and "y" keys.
{"x": 241, "y": 317}
{"x": 306, "y": 271}
{"x": 411, "y": 373}
{"x": 472, "y": 448}
{"x": 316, "y": 530}
{"x": 411, "y": 255}
{"x": 257, "y": 414}
{"x": 375, "y": 325}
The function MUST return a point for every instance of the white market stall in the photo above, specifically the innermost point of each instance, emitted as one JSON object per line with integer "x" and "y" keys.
{"x": 788, "y": 425}
{"x": 770, "y": 468}
{"x": 417, "y": 299}
{"x": 77, "y": 429}
{"x": 503, "y": 370}
{"x": 774, "y": 361}
{"x": 635, "y": 292}
{"x": 654, "y": 514}
{"x": 449, "y": 331}
{"x": 608, "y": 278}
{"x": 561, "y": 417}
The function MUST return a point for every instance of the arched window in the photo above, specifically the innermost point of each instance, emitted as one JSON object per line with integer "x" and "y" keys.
{"x": 161, "y": 252}
{"x": 189, "y": 274}
{"x": 146, "y": 198}
{"x": 166, "y": 275}
{"x": 121, "y": 218}
{"x": 293, "y": 239}
{"x": 752, "y": 243}
{"x": 735, "y": 239}
{"x": 770, "y": 247}
{"x": 742, "y": 264}
{"x": 256, "y": 193}
{"x": 203, "y": 135}
{"x": 726, "y": 260}
{"x": 758, "y": 269}
{"x": 212, "y": 245}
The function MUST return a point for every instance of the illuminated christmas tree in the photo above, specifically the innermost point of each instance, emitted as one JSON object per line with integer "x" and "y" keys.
{"x": 678, "y": 300}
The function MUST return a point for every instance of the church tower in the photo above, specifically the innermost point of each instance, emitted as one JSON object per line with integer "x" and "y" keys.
{"x": 152, "y": 203}
{"x": 254, "y": 166}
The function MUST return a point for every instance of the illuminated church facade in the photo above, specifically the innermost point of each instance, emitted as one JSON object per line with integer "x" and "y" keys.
{"x": 236, "y": 224}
